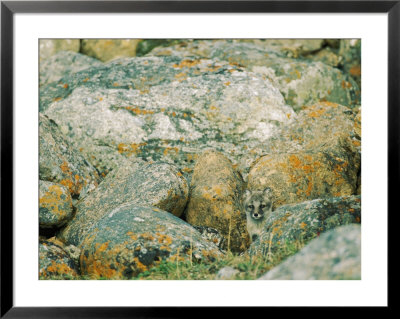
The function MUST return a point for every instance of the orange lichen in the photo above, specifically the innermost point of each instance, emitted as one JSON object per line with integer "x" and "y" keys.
{"x": 164, "y": 239}
{"x": 130, "y": 149}
{"x": 132, "y": 235}
{"x": 140, "y": 266}
{"x": 181, "y": 76}
{"x": 147, "y": 236}
{"x": 294, "y": 161}
{"x": 303, "y": 225}
{"x": 166, "y": 248}
{"x": 208, "y": 196}
{"x": 102, "y": 247}
{"x": 52, "y": 198}
{"x": 212, "y": 68}
{"x": 60, "y": 268}
{"x": 137, "y": 110}
{"x": 346, "y": 85}
{"x": 217, "y": 190}
{"x": 355, "y": 70}
{"x": 64, "y": 167}
{"x": 168, "y": 149}
{"x": 316, "y": 113}
{"x": 186, "y": 64}
{"x": 68, "y": 183}
{"x": 309, "y": 186}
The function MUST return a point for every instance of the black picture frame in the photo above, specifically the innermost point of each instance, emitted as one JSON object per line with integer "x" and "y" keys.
{"x": 9, "y": 8}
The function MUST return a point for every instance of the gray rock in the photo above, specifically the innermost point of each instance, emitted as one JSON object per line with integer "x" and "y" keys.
{"x": 315, "y": 156}
{"x": 292, "y": 48}
{"x": 213, "y": 235}
{"x": 159, "y": 184}
{"x": 55, "y": 262}
{"x": 61, "y": 163}
{"x": 109, "y": 49}
{"x": 291, "y": 226}
{"x": 226, "y": 273}
{"x": 131, "y": 239}
{"x": 258, "y": 48}
{"x": 165, "y": 108}
{"x": 73, "y": 252}
{"x": 306, "y": 83}
{"x": 215, "y": 191}
{"x": 63, "y": 63}
{"x": 147, "y": 45}
{"x": 334, "y": 255}
{"x": 48, "y": 47}
{"x": 55, "y": 205}
{"x": 301, "y": 81}
{"x": 327, "y": 56}
{"x": 350, "y": 52}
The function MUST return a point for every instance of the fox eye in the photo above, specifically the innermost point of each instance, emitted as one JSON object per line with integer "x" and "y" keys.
{"x": 262, "y": 206}
{"x": 251, "y": 206}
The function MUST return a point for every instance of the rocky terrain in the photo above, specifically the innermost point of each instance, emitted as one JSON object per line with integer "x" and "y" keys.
{"x": 146, "y": 147}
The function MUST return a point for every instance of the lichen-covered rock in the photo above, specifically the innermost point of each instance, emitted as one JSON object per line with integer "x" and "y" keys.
{"x": 109, "y": 49}
{"x": 72, "y": 251}
{"x": 48, "y": 47}
{"x": 147, "y": 45}
{"x": 55, "y": 205}
{"x": 315, "y": 156}
{"x": 334, "y": 255}
{"x": 298, "y": 177}
{"x": 64, "y": 63}
{"x": 327, "y": 56}
{"x": 61, "y": 163}
{"x": 213, "y": 235}
{"x": 187, "y": 48}
{"x": 297, "y": 224}
{"x": 305, "y": 83}
{"x": 215, "y": 192}
{"x": 301, "y": 82}
{"x": 315, "y": 125}
{"x": 292, "y": 48}
{"x": 164, "y": 108}
{"x": 54, "y": 262}
{"x": 350, "y": 52}
{"x": 131, "y": 239}
{"x": 158, "y": 184}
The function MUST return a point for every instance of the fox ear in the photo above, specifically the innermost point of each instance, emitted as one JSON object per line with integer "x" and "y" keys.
{"x": 246, "y": 193}
{"x": 267, "y": 191}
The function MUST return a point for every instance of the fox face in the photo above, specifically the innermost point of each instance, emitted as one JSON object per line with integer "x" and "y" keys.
{"x": 258, "y": 204}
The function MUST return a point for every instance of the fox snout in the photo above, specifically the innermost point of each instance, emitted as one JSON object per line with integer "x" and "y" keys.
{"x": 257, "y": 215}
